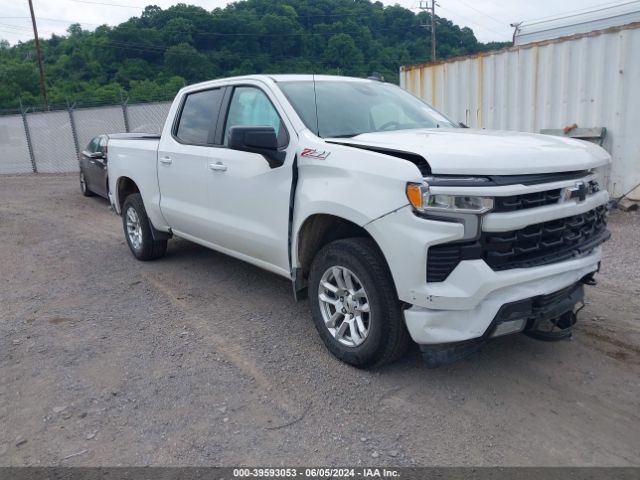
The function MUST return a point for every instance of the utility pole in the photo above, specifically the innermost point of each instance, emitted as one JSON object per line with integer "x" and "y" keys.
{"x": 424, "y": 6}
{"x": 433, "y": 30}
{"x": 43, "y": 86}
{"x": 516, "y": 30}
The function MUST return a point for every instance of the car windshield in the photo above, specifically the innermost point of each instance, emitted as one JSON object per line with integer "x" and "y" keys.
{"x": 339, "y": 108}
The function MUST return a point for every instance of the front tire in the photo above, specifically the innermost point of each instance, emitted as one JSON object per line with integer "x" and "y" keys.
{"x": 137, "y": 230}
{"x": 354, "y": 304}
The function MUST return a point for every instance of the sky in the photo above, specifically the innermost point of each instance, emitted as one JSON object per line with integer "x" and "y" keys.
{"x": 489, "y": 19}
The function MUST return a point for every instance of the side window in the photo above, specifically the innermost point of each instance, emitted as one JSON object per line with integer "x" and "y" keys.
{"x": 199, "y": 114}
{"x": 251, "y": 106}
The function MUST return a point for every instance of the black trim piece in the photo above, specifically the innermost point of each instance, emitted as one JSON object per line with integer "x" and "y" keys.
{"x": 158, "y": 234}
{"x": 526, "y": 200}
{"x": 222, "y": 116}
{"x": 414, "y": 158}
{"x": 540, "y": 244}
{"x": 460, "y": 181}
{"x": 539, "y": 308}
{"x": 292, "y": 196}
{"x": 298, "y": 281}
{"x": 443, "y": 259}
{"x": 133, "y": 136}
{"x": 502, "y": 180}
{"x": 538, "y": 178}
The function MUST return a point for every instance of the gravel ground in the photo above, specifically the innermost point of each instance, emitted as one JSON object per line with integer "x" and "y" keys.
{"x": 200, "y": 359}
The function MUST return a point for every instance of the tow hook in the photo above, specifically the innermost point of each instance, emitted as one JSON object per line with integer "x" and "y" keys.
{"x": 589, "y": 279}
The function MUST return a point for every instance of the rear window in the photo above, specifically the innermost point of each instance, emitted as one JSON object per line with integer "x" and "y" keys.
{"x": 199, "y": 116}
{"x": 93, "y": 145}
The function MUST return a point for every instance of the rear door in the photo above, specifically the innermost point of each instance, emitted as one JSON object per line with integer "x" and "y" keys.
{"x": 183, "y": 163}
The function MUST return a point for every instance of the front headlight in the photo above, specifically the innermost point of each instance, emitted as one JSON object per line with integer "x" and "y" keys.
{"x": 424, "y": 201}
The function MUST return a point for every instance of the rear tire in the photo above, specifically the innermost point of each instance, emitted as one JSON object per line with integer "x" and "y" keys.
{"x": 375, "y": 333}
{"x": 137, "y": 230}
{"x": 83, "y": 186}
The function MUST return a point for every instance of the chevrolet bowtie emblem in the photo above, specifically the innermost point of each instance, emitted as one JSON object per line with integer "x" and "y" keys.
{"x": 578, "y": 191}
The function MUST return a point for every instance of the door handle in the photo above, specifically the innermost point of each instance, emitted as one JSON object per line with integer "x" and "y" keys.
{"x": 166, "y": 160}
{"x": 218, "y": 167}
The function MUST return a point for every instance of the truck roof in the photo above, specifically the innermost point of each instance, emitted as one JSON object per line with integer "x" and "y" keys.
{"x": 282, "y": 78}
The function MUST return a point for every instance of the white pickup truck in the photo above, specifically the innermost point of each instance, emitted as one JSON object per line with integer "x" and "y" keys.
{"x": 395, "y": 221}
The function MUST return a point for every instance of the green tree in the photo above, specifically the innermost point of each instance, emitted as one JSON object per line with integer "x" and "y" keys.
{"x": 153, "y": 55}
{"x": 186, "y": 61}
{"x": 342, "y": 54}
{"x": 178, "y": 30}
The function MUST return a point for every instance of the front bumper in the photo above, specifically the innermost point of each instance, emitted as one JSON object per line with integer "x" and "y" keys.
{"x": 464, "y": 306}
{"x": 494, "y": 289}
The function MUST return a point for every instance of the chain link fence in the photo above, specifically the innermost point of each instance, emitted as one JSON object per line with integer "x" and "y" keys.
{"x": 15, "y": 154}
{"x": 51, "y": 142}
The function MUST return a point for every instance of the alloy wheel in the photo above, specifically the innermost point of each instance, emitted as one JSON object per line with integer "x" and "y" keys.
{"x": 134, "y": 229}
{"x": 344, "y": 306}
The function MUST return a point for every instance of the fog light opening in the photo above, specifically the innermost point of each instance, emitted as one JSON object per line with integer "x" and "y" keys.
{"x": 511, "y": 326}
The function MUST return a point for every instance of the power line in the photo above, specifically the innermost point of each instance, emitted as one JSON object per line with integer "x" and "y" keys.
{"x": 236, "y": 34}
{"x": 499, "y": 22}
{"x": 504, "y": 8}
{"x": 108, "y": 4}
{"x": 61, "y": 20}
{"x": 472, "y": 21}
{"x": 593, "y": 8}
{"x": 142, "y": 7}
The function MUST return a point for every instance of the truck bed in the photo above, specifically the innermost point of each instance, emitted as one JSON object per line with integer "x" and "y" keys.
{"x": 135, "y": 156}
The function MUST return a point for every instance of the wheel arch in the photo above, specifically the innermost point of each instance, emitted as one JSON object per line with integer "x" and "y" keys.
{"x": 316, "y": 231}
{"x": 125, "y": 186}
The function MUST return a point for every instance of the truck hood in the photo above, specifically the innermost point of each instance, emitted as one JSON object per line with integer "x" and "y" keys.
{"x": 466, "y": 151}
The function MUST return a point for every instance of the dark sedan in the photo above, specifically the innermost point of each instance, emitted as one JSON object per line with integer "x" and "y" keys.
{"x": 94, "y": 177}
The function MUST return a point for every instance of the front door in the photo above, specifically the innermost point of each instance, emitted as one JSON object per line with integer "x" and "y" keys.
{"x": 249, "y": 199}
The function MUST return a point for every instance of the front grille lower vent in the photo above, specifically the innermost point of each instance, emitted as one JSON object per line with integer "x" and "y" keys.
{"x": 539, "y": 244}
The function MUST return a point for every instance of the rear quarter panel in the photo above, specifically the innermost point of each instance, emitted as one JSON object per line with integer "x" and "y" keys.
{"x": 137, "y": 159}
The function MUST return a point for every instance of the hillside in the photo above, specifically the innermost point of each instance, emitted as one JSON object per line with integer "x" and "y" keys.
{"x": 151, "y": 56}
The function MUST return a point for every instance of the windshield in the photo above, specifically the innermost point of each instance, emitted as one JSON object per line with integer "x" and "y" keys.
{"x": 340, "y": 108}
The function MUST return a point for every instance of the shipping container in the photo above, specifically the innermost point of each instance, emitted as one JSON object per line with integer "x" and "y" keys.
{"x": 591, "y": 79}
{"x": 588, "y": 20}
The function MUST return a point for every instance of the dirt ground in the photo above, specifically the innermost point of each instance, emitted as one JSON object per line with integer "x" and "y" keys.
{"x": 200, "y": 359}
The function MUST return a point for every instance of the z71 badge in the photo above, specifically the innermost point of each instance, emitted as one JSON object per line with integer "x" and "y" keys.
{"x": 313, "y": 153}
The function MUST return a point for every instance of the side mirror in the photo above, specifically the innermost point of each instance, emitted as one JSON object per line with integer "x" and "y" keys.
{"x": 257, "y": 139}
{"x": 97, "y": 155}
